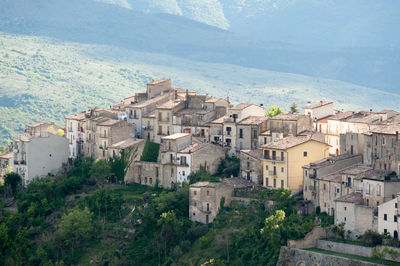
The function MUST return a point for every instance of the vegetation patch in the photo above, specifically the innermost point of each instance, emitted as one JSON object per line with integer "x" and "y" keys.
{"x": 150, "y": 152}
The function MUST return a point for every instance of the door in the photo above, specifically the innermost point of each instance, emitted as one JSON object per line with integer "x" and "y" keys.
{"x": 206, "y": 219}
{"x": 248, "y": 176}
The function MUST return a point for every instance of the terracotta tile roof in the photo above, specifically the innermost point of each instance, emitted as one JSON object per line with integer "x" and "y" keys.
{"x": 149, "y": 102}
{"x": 170, "y": 104}
{"x": 390, "y": 129}
{"x": 241, "y": 106}
{"x": 204, "y": 184}
{"x": 354, "y": 197}
{"x": 126, "y": 143}
{"x": 289, "y": 142}
{"x": 109, "y": 122}
{"x": 357, "y": 169}
{"x": 158, "y": 81}
{"x": 340, "y": 115}
{"x": 193, "y": 148}
{"x": 257, "y": 154}
{"x": 321, "y": 103}
{"x": 333, "y": 177}
{"x": 7, "y": 155}
{"x": 220, "y": 120}
{"x": 289, "y": 116}
{"x": 79, "y": 116}
{"x": 253, "y": 120}
{"x": 330, "y": 160}
{"x": 213, "y": 100}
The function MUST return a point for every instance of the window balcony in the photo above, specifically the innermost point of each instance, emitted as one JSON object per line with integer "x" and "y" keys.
{"x": 274, "y": 158}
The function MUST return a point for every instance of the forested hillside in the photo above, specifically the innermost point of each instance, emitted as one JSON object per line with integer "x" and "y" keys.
{"x": 75, "y": 218}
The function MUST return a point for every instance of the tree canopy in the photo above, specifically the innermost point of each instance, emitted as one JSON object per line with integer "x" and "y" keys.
{"x": 274, "y": 111}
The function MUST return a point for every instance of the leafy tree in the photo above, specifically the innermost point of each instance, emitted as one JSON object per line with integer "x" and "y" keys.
{"x": 171, "y": 229}
{"x": 120, "y": 164}
{"x": 14, "y": 180}
{"x": 339, "y": 230}
{"x": 202, "y": 175}
{"x": 372, "y": 237}
{"x": 274, "y": 111}
{"x": 293, "y": 108}
{"x": 75, "y": 227}
{"x": 101, "y": 169}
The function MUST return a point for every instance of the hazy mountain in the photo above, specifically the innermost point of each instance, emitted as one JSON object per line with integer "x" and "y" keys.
{"x": 327, "y": 23}
{"x": 93, "y": 22}
{"x": 45, "y": 79}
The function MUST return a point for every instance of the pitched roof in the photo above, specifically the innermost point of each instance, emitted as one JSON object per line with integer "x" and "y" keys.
{"x": 354, "y": 197}
{"x": 220, "y": 120}
{"x": 289, "y": 142}
{"x": 79, "y": 116}
{"x": 289, "y": 116}
{"x": 109, "y": 122}
{"x": 158, "y": 81}
{"x": 170, "y": 104}
{"x": 253, "y": 120}
{"x": 126, "y": 143}
{"x": 241, "y": 106}
{"x": 320, "y": 104}
{"x": 331, "y": 160}
{"x": 258, "y": 154}
{"x": 193, "y": 148}
{"x": 7, "y": 155}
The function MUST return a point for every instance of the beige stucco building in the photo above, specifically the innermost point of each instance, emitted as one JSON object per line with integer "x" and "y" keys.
{"x": 283, "y": 160}
{"x": 251, "y": 165}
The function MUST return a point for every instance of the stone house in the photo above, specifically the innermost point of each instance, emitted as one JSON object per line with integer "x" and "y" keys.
{"x": 388, "y": 217}
{"x": 322, "y": 180}
{"x": 163, "y": 123}
{"x": 93, "y": 117}
{"x": 38, "y": 153}
{"x": 319, "y": 110}
{"x": 6, "y": 164}
{"x": 356, "y": 216}
{"x": 205, "y": 198}
{"x": 290, "y": 124}
{"x": 75, "y": 125}
{"x": 249, "y": 130}
{"x": 224, "y": 130}
{"x": 109, "y": 132}
{"x": 251, "y": 165}
{"x": 191, "y": 158}
{"x": 283, "y": 160}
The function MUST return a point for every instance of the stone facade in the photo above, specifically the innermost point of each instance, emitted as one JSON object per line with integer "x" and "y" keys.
{"x": 251, "y": 165}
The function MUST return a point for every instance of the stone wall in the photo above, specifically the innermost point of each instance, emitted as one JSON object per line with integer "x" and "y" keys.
{"x": 299, "y": 257}
{"x": 353, "y": 249}
{"x": 310, "y": 240}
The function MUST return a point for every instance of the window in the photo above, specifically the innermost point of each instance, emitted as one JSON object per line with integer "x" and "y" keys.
{"x": 305, "y": 173}
{"x": 274, "y": 170}
{"x": 395, "y": 205}
{"x": 156, "y": 171}
{"x": 266, "y": 167}
{"x": 324, "y": 186}
{"x": 228, "y": 130}
{"x": 282, "y": 156}
{"x": 282, "y": 183}
{"x": 383, "y": 141}
{"x": 241, "y": 133}
{"x": 266, "y": 182}
{"x": 282, "y": 169}
{"x": 183, "y": 173}
{"x": 273, "y": 155}
{"x": 194, "y": 214}
{"x": 345, "y": 218}
{"x": 345, "y": 208}
{"x": 385, "y": 217}
{"x": 385, "y": 231}
{"x": 395, "y": 219}
{"x": 195, "y": 204}
{"x": 151, "y": 180}
{"x": 195, "y": 192}
{"x": 274, "y": 183}
{"x": 305, "y": 154}
{"x": 248, "y": 165}
{"x": 208, "y": 193}
{"x": 172, "y": 172}
{"x": 266, "y": 154}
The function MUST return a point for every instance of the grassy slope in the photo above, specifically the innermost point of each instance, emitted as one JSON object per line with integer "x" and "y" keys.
{"x": 42, "y": 79}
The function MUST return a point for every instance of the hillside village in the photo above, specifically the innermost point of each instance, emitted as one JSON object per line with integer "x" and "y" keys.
{"x": 344, "y": 163}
